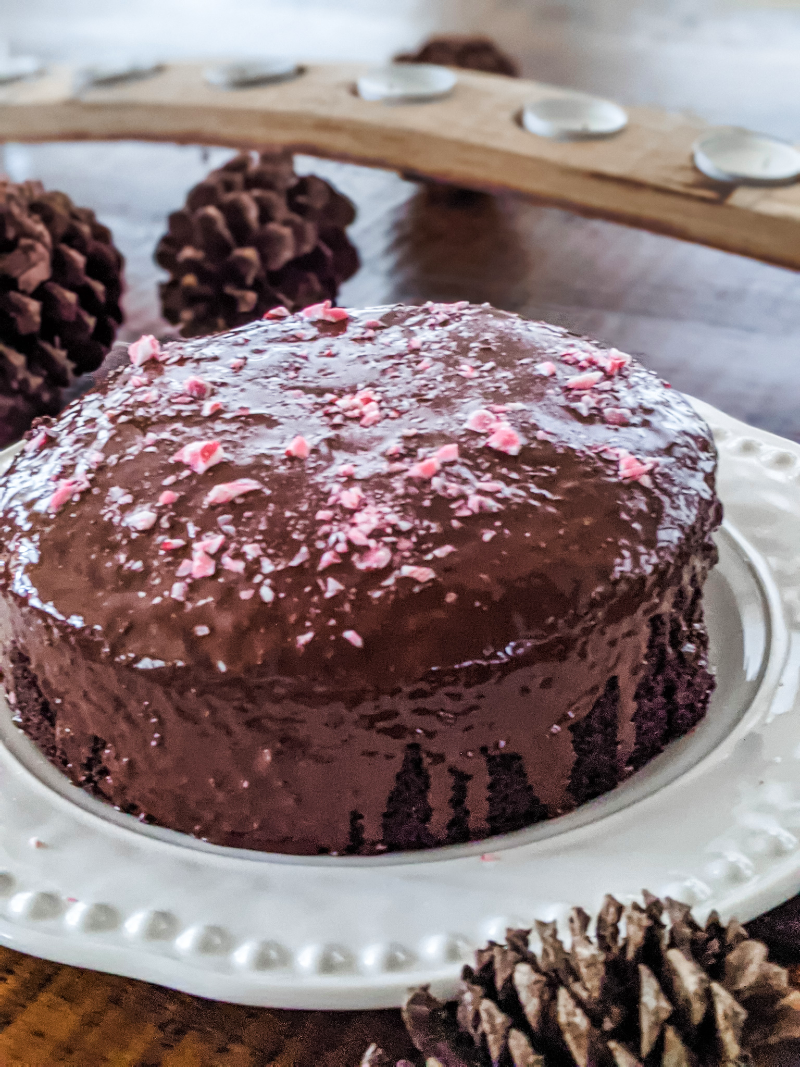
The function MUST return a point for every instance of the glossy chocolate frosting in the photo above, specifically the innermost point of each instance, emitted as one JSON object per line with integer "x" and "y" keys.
{"x": 268, "y": 582}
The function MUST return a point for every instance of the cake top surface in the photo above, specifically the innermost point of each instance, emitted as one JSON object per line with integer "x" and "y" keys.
{"x": 371, "y": 492}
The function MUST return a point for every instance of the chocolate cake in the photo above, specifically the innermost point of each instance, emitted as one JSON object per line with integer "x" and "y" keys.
{"x": 357, "y": 581}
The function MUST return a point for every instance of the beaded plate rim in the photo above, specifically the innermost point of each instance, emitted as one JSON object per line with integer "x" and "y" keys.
{"x": 79, "y": 887}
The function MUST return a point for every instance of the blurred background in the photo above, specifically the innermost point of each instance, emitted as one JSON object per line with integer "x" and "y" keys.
{"x": 719, "y": 326}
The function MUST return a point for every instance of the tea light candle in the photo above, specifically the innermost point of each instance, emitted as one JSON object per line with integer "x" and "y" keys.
{"x": 407, "y": 83}
{"x": 574, "y": 117}
{"x": 252, "y": 72}
{"x": 742, "y": 157}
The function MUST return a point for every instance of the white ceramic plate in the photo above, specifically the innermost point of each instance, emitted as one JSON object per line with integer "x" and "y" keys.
{"x": 714, "y": 821}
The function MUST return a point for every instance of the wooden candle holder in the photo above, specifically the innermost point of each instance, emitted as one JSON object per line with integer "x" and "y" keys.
{"x": 641, "y": 177}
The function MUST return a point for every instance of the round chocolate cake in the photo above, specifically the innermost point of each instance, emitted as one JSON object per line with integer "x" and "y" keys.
{"x": 357, "y": 581}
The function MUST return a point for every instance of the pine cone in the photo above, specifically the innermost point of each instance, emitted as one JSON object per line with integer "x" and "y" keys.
{"x": 689, "y": 996}
{"x": 60, "y": 287}
{"x": 465, "y": 51}
{"x": 252, "y": 236}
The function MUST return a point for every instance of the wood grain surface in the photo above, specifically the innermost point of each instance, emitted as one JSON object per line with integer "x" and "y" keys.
{"x": 720, "y": 326}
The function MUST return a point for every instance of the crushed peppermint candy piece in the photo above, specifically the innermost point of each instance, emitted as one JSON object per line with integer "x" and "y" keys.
{"x": 347, "y": 470}
{"x": 584, "y": 381}
{"x": 67, "y": 489}
{"x": 238, "y": 364}
{"x": 234, "y": 565}
{"x": 419, "y": 574}
{"x": 466, "y": 371}
{"x": 547, "y": 368}
{"x": 171, "y": 544}
{"x": 328, "y": 559}
{"x": 37, "y": 443}
{"x": 179, "y": 591}
{"x": 374, "y": 560}
{"x": 443, "y": 550}
{"x": 203, "y": 566}
{"x": 266, "y": 592}
{"x": 146, "y": 348}
{"x": 302, "y": 639}
{"x": 212, "y": 545}
{"x": 301, "y": 557}
{"x": 211, "y": 407}
{"x": 246, "y": 594}
{"x": 252, "y": 551}
{"x": 279, "y": 312}
{"x": 481, "y": 421}
{"x": 332, "y": 587}
{"x": 184, "y": 569}
{"x": 227, "y": 491}
{"x": 298, "y": 447}
{"x": 373, "y": 324}
{"x": 446, "y": 454}
{"x": 141, "y": 520}
{"x": 476, "y": 504}
{"x": 200, "y": 455}
{"x": 356, "y": 640}
{"x": 632, "y": 469}
{"x": 167, "y": 497}
{"x": 505, "y": 439}
{"x": 196, "y": 387}
{"x": 324, "y": 515}
{"x": 613, "y": 361}
{"x": 351, "y": 498}
{"x": 426, "y": 468}
{"x": 617, "y": 416}
{"x": 325, "y": 313}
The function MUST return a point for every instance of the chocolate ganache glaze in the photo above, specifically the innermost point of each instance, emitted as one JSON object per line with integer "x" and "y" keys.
{"x": 355, "y": 581}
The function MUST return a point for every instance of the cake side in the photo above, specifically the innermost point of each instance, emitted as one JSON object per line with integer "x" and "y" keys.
{"x": 391, "y": 639}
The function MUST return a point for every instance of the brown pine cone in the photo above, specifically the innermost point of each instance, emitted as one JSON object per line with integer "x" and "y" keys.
{"x": 60, "y": 287}
{"x": 687, "y": 996}
{"x": 465, "y": 51}
{"x": 252, "y": 236}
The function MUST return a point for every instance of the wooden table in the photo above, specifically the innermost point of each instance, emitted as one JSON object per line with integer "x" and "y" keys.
{"x": 718, "y": 326}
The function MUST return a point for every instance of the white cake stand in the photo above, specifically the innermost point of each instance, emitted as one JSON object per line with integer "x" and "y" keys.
{"x": 713, "y": 821}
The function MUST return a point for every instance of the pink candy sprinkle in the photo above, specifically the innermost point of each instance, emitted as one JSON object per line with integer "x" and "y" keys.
{"x": 197, "y": 388}
{"x": 301, "y": 557}
{"x": 278, "y": 312}
{"x": 419, "y": 574}
{"x": 617, "y": 416}
{"x": 235, "y": 565}
{"x": 425, "y": 469}
{"x": 548, "y": 369}
{"x": 481, "y": 421}
{"x": 146, "y": 348}
{"x": 298, "y": 447}
{"x": 67, "y": 488}
{"x": 37, "y": 443}
{"x": 141, "y": 520}
{"x": 351, "y": 498}
{"x": 584, "y": 381}
{"x": 212, "y": 545}
{"x": 200, "y": 455}
{"x": 325, "y": 313}
{"x": 374, "y": 560}
{"x": 355, "y": 639}
{"x": 211, "y": 407}
{"x": 167, "y": 497}
{"x": 505, "y": 439}
{"x": 171, "y": 544}
{"x": 328, "y": 559}
{"x": 203, "y": 566}
{"x": 446, "y": 454}
{"x": 632, "y": 469}
{"x": 179, "y": 591}
{"x": 227, "y": 491}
